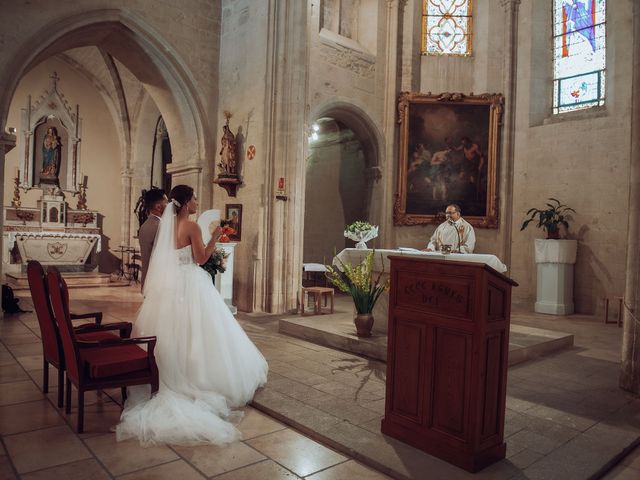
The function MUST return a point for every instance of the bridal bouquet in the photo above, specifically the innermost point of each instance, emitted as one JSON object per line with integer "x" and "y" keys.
{"x": 361, "y": 232}
{"x": 217, "y": 263}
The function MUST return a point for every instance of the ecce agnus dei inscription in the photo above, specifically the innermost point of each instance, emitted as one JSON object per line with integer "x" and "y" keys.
{"x": 434, "y": 294}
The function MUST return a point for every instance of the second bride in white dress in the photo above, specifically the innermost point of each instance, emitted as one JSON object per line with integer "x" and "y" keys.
{"x": 206, "y": 362}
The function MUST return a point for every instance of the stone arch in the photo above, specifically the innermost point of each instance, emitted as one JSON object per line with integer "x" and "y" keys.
{"x": 142, "y": 50}
{"x": 345, "y": 178}
{"x": 359, "y": 121}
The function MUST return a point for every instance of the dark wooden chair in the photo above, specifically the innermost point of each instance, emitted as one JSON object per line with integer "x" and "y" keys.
{"x": 51, "y": 345}
{"x": 98, "y": 364}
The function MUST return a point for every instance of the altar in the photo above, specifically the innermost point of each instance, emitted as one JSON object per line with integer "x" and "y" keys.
{"x": 381, "y": 264}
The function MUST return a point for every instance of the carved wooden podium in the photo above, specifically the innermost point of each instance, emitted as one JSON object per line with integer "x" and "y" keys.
{"x": 447, "y": 359}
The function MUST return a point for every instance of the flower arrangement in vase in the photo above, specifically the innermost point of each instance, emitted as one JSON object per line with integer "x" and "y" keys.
{"x": 361, "y": 232}
{"x": 357, "y": 281}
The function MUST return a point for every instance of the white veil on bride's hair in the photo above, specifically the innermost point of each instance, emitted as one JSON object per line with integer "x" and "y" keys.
{"x": 163, "y": 266}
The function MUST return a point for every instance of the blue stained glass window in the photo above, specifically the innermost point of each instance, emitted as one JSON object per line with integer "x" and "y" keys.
{"x": 446, "y": 27}
{"x": 579, "y": 54}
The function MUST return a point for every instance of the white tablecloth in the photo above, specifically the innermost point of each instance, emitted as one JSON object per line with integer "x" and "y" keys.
{"x": 381, "y": 258}
{"x": 45, "y": 234}
{"x": 556, "y": 251}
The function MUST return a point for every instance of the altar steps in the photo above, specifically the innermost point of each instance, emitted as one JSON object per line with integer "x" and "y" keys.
{"x": 19, "y": 281}
{"x": 338, "y": 331}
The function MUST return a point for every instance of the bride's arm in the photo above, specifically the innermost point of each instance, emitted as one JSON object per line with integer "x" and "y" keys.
{"x": 202, "y": 252}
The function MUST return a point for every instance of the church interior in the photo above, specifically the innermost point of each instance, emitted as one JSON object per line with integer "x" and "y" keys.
{"x": 295, "y": 119}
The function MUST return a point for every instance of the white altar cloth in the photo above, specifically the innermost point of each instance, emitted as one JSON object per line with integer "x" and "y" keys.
{"x": 381, "y": 258}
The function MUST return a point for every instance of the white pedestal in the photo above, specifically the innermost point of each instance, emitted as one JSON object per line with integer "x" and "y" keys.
{"x": 224, "y": 281}
{"x": 555, "y": 260}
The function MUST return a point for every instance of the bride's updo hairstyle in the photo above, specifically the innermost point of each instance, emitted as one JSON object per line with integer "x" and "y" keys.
{"x": 180, "y": 195}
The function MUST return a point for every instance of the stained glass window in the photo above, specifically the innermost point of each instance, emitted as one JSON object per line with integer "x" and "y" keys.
{"x": 446, "y": 27}
{"x": 579, "y": 54}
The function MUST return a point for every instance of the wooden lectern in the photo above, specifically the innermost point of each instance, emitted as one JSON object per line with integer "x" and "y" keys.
{"x": 447, "y": 359}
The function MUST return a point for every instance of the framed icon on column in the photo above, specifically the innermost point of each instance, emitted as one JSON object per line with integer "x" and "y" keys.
{"x": 233, "y": 214}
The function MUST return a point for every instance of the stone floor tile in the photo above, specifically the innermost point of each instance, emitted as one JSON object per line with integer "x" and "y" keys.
{"x": 20, "y": 339}
{"x": 299, "y": 454}
{"x": 44, "y": 448}
{"x": 23, "y": 417}
{"x": 18, "y": 392}
{"x": 343, "y": 409}
{"x": 267, "y": 469}
{"x": 294, "y": 389}
{"x": 377, "y": 406}
{"x": 6, "y": 470}
{"x": 214, "y": 460}
{"x": 22, "y": 349}
{"x": 524, "y": 458}
{"x": 344, "y": 391}
{"x": 12, "y": 373}
{"x": 564, "y": 416}
{"x": 6, "y": 358}
{"x": 622, "y": 472}
{"x": 88, "y": 469}
{"x": 255, "y": 423}
{"x": 127, "y": 456}
{"x": 37, "y": 376}
{"x": 526, "y": 439}
{"x": 297, "y": 374}
{"x": 347, "y": 471}
{"x": 30, "y": 362}
{"x": 633, "y": 459}
{"x": 178, "y": 469}
{"x": 99, "y": 417}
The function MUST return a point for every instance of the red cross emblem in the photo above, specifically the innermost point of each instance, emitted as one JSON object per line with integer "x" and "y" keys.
{"x": 251, "y": 152}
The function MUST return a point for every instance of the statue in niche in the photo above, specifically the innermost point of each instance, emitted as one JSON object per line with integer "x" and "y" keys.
{"x": 51, "y": 148}
{"x": 228, "y": 161}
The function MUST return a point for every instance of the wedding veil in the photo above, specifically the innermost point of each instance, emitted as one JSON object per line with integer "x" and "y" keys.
{"x": 163, "y": 266}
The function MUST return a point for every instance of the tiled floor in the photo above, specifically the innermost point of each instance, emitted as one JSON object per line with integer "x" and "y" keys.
{"x": 38, "y": 441}
{"x": 552, "y": 402}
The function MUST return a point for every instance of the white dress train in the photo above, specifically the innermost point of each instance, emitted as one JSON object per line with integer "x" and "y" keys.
{"x": 207, "y": 364}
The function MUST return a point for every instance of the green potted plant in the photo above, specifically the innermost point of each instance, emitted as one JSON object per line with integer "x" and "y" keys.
{"x": 550, "y": 218}
{"x": 357, "y": 281}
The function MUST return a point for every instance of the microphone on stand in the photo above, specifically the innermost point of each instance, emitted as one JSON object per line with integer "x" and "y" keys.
{"x": 453, "y": 224}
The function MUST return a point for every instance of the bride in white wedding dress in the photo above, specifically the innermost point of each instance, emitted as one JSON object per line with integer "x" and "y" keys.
{"x": 207, "y": 364}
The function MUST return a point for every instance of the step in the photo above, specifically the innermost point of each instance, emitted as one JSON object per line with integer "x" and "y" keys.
{"x": 19, "y": 281}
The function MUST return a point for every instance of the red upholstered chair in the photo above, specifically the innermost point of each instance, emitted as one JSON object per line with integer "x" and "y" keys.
{"x": 51, "y": 345}
{"x": 98, "y": 364}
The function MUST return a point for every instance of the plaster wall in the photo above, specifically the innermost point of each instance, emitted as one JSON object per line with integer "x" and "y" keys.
{"x": 100, "y": 148}
{"x": 582, "y": 158}
{"x": 243, "y": 52}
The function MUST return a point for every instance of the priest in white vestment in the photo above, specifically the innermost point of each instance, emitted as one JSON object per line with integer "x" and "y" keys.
{"x": 455, "y": 231}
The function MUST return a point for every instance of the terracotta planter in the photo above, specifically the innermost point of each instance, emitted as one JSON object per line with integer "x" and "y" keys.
{"x": 364, "y": 323}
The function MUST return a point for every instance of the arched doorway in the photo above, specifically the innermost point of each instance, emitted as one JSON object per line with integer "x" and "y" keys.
{"x": 340, "y": 181}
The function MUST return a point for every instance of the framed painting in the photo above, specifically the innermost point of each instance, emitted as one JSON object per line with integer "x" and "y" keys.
{"x": 233, "y": 214}
{"x": 449, "y": 146}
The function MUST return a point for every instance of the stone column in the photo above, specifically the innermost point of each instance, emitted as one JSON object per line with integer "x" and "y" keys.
{"x": 630, "y": 369}
{"x": 126, "y": 175}
{"x": 508, "y": 129}
{"x": 278, "y": 265}
{"x": 389, "y": 125}
{"x": 7, "y": 143}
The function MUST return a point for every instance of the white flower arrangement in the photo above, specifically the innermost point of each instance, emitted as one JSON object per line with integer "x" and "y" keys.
{"x": 361, "y": 232}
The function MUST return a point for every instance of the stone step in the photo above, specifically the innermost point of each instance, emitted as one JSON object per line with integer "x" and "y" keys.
{"x": 337, "y": 331}
{"x": 19, "y": 281}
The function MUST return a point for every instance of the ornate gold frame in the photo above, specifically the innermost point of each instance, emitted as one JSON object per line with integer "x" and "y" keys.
{"x": 457, "y": 101}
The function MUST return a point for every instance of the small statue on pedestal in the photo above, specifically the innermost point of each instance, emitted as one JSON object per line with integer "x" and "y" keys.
{"x": 228, "y": 162}
{"x": 82, "y": 197}
{"x": 15, "y": 202}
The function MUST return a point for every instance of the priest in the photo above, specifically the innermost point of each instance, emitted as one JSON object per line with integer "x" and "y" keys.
{"x": 455, "y": 231}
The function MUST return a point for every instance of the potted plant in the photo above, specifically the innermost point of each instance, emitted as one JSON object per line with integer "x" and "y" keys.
{"x": 550, "y": 218}
{"x": 357, "y": 281}
{"x": 361, "y": 232}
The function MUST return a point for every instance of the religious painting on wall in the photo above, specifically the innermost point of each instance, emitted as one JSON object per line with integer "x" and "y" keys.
{"x": 449, "y": 145}
{"x": 233, "y": 214}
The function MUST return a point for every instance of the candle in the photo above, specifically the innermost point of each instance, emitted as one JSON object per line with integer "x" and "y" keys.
{"x": 17, "y": 175}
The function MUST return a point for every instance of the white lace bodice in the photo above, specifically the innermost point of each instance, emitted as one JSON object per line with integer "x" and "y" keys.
{"x": 184, "y": 255}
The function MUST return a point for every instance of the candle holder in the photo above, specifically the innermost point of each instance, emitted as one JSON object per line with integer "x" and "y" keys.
{"x": 15, "y": 202}
{"x": 82, "y": 197}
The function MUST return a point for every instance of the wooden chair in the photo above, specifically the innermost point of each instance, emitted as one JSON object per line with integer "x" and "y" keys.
{"x": 98, "y": 364}
{"x": 51, "y": 345}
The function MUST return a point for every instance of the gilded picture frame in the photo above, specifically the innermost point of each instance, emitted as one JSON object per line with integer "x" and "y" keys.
{"x": 448, "y": 153}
